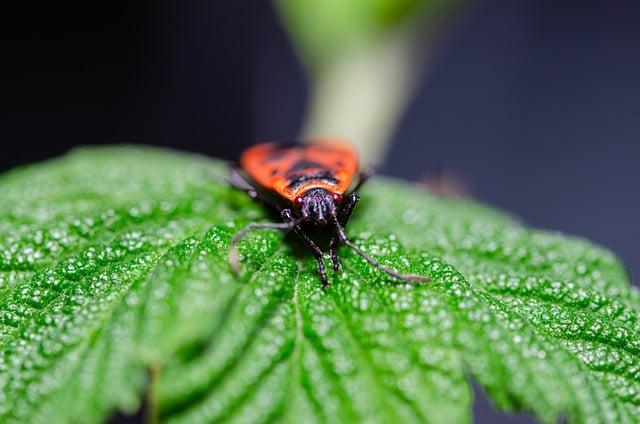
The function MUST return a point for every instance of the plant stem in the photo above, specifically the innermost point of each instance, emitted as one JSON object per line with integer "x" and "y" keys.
{"x": 153, "y": 415}
{"x": 362, "y": 95}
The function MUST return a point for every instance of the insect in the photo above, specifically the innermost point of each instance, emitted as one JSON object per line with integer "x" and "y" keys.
{"x": 309, "y": 187}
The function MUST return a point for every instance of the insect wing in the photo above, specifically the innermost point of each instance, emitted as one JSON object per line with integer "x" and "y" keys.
{"x": 293, "y": 169}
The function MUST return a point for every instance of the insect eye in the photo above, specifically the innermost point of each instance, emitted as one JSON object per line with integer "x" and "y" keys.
{"x": 298, "y": 201}
{"x": 337, "y": 198}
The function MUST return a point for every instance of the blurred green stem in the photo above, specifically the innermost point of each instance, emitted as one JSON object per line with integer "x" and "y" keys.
{"x": 153, "y": 413}
{"x": 363, "y": 58}
{"x": 362, "y": 95}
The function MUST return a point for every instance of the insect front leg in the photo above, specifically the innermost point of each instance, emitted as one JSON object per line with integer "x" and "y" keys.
{"x": 350, "y": 203}
{"x": 333, "y": 252}
{"x": 234, "y": 258}
{"x": 344, "y": 214}
{"x": 287, "y": 216}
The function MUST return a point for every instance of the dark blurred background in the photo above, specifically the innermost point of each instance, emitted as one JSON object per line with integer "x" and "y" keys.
{"x": 535, "y": 103}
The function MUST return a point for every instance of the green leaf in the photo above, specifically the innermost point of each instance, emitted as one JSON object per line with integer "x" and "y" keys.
{"x": 113, "y": 262}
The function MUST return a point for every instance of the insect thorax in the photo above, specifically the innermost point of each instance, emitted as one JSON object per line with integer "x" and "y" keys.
{"x": 317, "y": 205}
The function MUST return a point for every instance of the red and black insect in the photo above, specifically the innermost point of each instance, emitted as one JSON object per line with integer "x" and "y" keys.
{"x": 309, "y": 187}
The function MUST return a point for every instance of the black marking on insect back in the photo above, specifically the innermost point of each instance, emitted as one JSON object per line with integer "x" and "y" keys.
{"x": 304, "y": 164}
{"x": 276, "y": 155}
{"x": 296, "y": 181}
{"x": 279, "y": 152}
{"x": 318, "y": 173}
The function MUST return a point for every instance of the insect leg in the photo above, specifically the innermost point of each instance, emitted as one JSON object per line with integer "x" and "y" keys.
{"x": 411, "y": 278}
{"x": 236, "y": 180}
{"x": 364, "y": 176}
{"x": 234, "y": 259}
{"x": 287, "y": 215}
{"x": 347, "y": 208}
{"x": 333, "y": 253}
{"x": 343, "y": 217}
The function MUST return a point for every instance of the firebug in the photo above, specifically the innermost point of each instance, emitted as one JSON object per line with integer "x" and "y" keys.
{"x": 309, "y": 185}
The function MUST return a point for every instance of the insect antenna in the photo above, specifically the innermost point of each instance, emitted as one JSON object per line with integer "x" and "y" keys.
{"x": 234, "y": 258}
{"x": 411, "y": 278}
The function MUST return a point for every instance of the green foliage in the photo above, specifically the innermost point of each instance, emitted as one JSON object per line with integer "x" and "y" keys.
{"x": 113, "y": 261}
